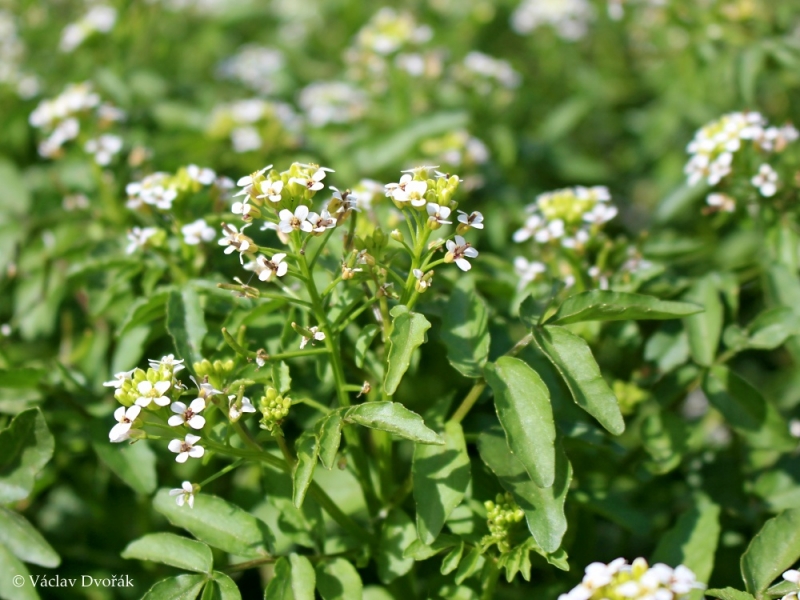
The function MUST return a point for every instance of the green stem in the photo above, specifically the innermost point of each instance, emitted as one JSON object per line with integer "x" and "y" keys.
{"x": 319, "y": 249}
{"x": 221, "y": 472}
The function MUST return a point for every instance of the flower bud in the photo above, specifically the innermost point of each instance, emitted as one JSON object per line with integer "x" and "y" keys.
{"x": 397, "y": 235}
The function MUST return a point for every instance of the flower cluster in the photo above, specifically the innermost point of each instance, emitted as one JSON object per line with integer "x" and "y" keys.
{"x": 488, "y": 71}
{"x": 501, "y": 516}
{"x": 256, "y": 67}
{"x": 569, "y": 18}
{"x": 99, "y": 19}
{"x": 255, "y": 124}
{"x": 159, "y": 190}
{"x": 274, "y": 408}
{"x": 569, "y": 216}
{"x": 620, "y": 581}
{"x": 326, "y": 102}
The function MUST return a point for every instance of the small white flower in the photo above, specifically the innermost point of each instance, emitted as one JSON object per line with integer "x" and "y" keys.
{"x": 721, "y": 202}
{"x": 205, "y": 390}
{"x": 119, "y": 379}
{"x": 552, "y": 231}
{"x": 243, "y": 208}
{"x": 104, "y": 148}
{"x": 601, "y": 213}
{"x": 321, "y": 222}
{"x": 294, "y": 221}
{"x": 459, "y": 251}
{"x": 188, "y": 415}
{"x": 236, "y": 240}
{"x": 527, "y": 270}
{"x": 198, "y": 231}
{"x": 317, "y": 336}
{"x": 271, "y": 190}
{"x": 408, "y": 190}
{"x": 766, "y": 181}
{"x": 423, "y": 283}
{"x": 169, "y": 361}
{"x": 794, "y": 428}
{"x": 149, "y": 392}
{"x": 184, "y": 494}
{"x": 201, "y": 175}
{"x": 267, "y": 268}
{"x": 438, "y": 214}
{"x": 473, "y": 220}
{"x": 313, "y": 183}
{"x": 235, "y": 412}
{"x": 125, "y": 418}
{"x": 186, "y": 448}
{"x": 137, "y": 238}
{"x": 249, "y": 180}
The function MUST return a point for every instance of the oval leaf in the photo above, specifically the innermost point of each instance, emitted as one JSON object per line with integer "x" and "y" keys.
{"x": 26, "y": 446}
{"x": 772, "y": 551}
{"x": 397, "y": 534}
{"x": 24, "y": 541}
{"x": 704, "y": 329}
{"x": 408, "y": 334}
{"x": 394, "y": 418}
{"x": 603, "y": 305}
{"x": 465, "y": 330}
{"x": 173, "y": 550}
{"x": 304, "y": 579}
{"x": 339, "y": 580}
{"x": 182, "y": 587}
{"x": 10, "y": 568}
{"x": 329, "y": 434}
{"x": 523, "y": 406}
{"x": 280, "y": 586}
{"x": 307, "y": 448}
{"x": 223, "y": 588}
{"x": 186, "y": 324}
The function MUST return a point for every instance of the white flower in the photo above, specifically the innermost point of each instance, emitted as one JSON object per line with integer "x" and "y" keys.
{"x": 271, "y": 190}
{"x": 188, "y": 415}
{"x": 104, "y": 148}
{"x": 186, "y": 448}
{"x": 119, "y": 379}
{"x": 205, "y": 390}
{"x": 149, "y": 392}
{"x": 552, "y": 231}
{"x": 321, "y": 222}
{"x": 235, "y": 412}
{"x": 245, "y": 139}
{"x": 267, "y": 268}
{"x": 236, "y": 241}
{"x": 196, "y": 232}
{"x": 243, "y": 208}
{"x": 580, "y": 592}
{"x": 459, "y": 251}
{"x": 316, "y": 336}
{"x": 766, "y": 181}
{"x": 601, "y": 213}
{"x": 125, "y": 418}
{"x": 313, "y": 183}
{"x": 473, "y": 220}
{"x": 721, "y": 202}
{"x": 297, "y": 220}
{"x": 168, "y": 361}
{"x": 250, "y": 180}
{"x": 527, "y": 270}
{"x": 532, "y": 225}
{"x": 792, "y": 575}
{"x": 138, "y": 237}
{"x": 184, "y": 494}
{"x": 423, "y": 282}
{"x": 408, "y": 190}
{"x": 437, "y": 214}
{"x": 201, "y": 175}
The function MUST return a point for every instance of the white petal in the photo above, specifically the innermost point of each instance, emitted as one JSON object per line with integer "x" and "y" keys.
{"x": 463, "y": 264}
{"x": 301, "y": 212}
{"x": 175, "y": 446}
{"x": 197, "y": 451}
{"x": 133, "y": 412}
{"x": 143, "y": 401}
{"x": 162, "y": 401}
{"x": 144, "y": 387}
{"x": 178, "y": 407}
{"x": 162, "y": 386}
{"x": 196, "y": 422}
{"x": 119, "y": 414}
{"x": 197, "y": 405}
{"x": 182, "y": 457}
{"x": 119, "y": 432}
{"x": 175, "y": 421}
{"x": 192, "y": 439}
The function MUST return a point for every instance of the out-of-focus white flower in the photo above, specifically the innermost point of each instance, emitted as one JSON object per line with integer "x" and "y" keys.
{"x": 197, "y": 232}
{"x": 766, "y": 180}
{"x": 492, "y": 68}
{"x": 201, "y": 175}
{"x": 119, "y": 379}
{"x": 255, "y": 67}
{"x": 137, "y": 238}
{"x": 327, "y": 102}
{"x": 569, "y": 18}
{"x": 104, "y": 148}
{"x": 721, "y": 202}
{"x": 99, "y": 19}
{"x": 169, "y": 361}
{"x": 184, "y": 494}
{"x": 527, "y": 270}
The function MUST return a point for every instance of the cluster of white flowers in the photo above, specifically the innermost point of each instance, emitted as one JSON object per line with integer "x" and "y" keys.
{"x": 138, "y": 238}
{"x": 568, "y": 215}
{"x": 60, "y": 119}
{"x": 255, "y": 67}
{"x": 713, "y": 149}
{"x": 491, "y": 69}
{"x": 388, "y": 31}
{"x": 569, "y": 18}
{"x": 160, "y": 189}
{"x": 12, "y": 51}
{"x": 456, "y": 149}
{"x": 326, "y": 102}
{"x": 99, "y": 19}
{"x": 247, "y": 122}
{"x": 639, "y": 581}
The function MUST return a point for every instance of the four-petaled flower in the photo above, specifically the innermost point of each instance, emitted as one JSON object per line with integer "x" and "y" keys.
{"x": 437, "y": 215}
{"x": 198, "y": 231}
{"x": 766, "y": 180}
{"x": 313, "y": 183}
{"x": 184, "y": 494}
{"x": 459, "y": 251}
{"x": 408, "y": 190}
{"x": 186, "y": 448}
{"x": 321, "y": 222}
{"x": 169, "y": 361}
{"x": 188, "y": 415}
{"x": 204, "y": 390}
{"x": 125, "y": 418}
{"x": 248, "y": 181}
{"x": 201, "y": 175}
{"x": 244, "y": 208}
{"x": 297, "y": 220}
{"x": 119, "y": 379}
{"x": 271, "y": 190}
{"x": 149, "y": 392}
{"x": 316, "y": 336}
{"x": 236, "y": 241}
{"x": 473, "y": 220}
{"x": 235, "y": 412}
{"x": 266, "y": 268}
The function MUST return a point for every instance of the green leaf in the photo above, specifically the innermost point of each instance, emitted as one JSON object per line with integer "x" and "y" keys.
{"x": 182, "y": 587}
{"x": 782, "y": 588}
{"x": 15, "y": 197}
{"x": 134, "y": 463}
{"x": 338, "y": 580}
{"x": 397, "y": 534}
{"x": 10, "y": 568}
{"x": 468, "y": 565}
{"x": 363, "y": 342}
{"x": 692, "y": 542}
{"x": 602, "y": 305}
{"x": 705, "y": 328}
{"x": 573, "y": 359}
{"x": 307, "y": 448}
{"x": 522, "y": 401}
{"x": 173, "y": 550}
{"x": 543, "y": 507}
{"x": 222, "y": 587}
{"x": 21, "y": 378}
{"x": 281, "y": 377}
{"x": 24, "y": 541}
{"x": 144, "y": 310}
{"x": 26, "y": 446}
{"x": 186, "y": 324}
{"x": 394, "y": 418}
{"x": 280, "y": 586}
{"x": 218, "y": 523}
{"x": 465, "y": 329}
{"x": 419, "y": 551}
{"x": 304, "y": 579}
{"x": 772, "y": 328}
{"x": 329, "y": 434}
{"x": 441, "y": 475}
{"x": 747, "y": 411}
{"x": 452, "y": 559}
{"x": 729, "y": 593}
{"x": 408, "y": 334}
{"x": 772, "y": 551}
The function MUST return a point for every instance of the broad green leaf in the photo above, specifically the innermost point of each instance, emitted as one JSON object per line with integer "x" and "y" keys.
{"x": 522, "y": 401}
{"x": 281, "y": 377}
{"x": 329, "y": 434}
{"x": 408, "y": 334}
{"x": 307, "y": 448}
{"x": 441, "y": 475}
{"x": 772, "y": 551}
{"x": 170, "y": 549}
{"x": 772, "y": 328}
{"x": 363, "y": 342}
{"x": 705, "y": 328}
{"x": 10, "y": 568}
{"x": 729, "y": 594}
{"x": 394, "y": 418}
{"x": 21, "y": 378}
{"x": 573, "y": 359}
{"x": 182, "y": 587}
{"x": 144, "y": 310}
{"x": 465, "y": 329}
{"x": 26, "y": 446}
{"x": 304, "y": 578}
{"x": 134, "y": 463}
{"x": 222, "y": 587}
{"x": 186, "y": 324}
{"x": 419, "y": 551}
{"x": 747, "y": 411}
{"x": 452, "y": 559}
{"x": 338, "y": 580}
{"x": 543, "y": 507}
{"x": 280, "y": 586}
{"x": 692, "y": 542}
{"x": 218, "y": 523}
{"x": 397, "y": 534}
{"x": 24, "y": 541}
{"x": 468, "y": 565}
{"x": 603, "y": 305}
